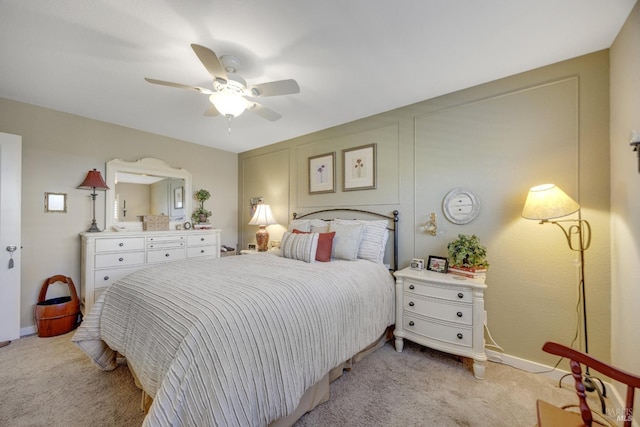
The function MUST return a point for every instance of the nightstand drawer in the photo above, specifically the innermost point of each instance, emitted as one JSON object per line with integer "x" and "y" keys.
{"x": 458, "y": 335}
{"x": 120, "y": 244}
{"x": 197, "y": 251}
{"x": 438, "y": 309}
{"x": 438, "y": 291}
{"x": 119, "y": 259}
{"x": 165, "y": 255}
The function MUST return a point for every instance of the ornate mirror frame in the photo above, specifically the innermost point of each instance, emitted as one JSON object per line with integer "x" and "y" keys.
{"x": 144, "y": 166}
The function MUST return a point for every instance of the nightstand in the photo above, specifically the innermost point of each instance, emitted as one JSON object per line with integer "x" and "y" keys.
{"x": 441, "y": 311}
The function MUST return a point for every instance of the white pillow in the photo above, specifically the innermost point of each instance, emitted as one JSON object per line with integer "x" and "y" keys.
{"x": 346, "y": 241}
{"x": 299, "y": 224}
{"x": 299, "y": 246}
{"x": 374, "y": 238}
{"x": 308, "y": 225}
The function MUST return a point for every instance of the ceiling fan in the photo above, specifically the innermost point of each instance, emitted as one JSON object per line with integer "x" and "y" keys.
{"x": 230, "y": 95}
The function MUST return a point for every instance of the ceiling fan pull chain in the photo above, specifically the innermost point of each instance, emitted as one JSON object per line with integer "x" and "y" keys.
{"x": 229, "y": 117}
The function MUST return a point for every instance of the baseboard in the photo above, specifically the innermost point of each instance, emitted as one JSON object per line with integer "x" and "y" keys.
{"x": 548, "y": 371}
{"x": 29, "y": 330}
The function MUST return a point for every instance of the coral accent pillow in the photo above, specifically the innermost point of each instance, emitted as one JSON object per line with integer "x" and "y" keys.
{"x": 325, "y": 245}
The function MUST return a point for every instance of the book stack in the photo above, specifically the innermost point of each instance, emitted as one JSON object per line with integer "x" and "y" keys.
{"x": 203, "y": 226}
{"x": 470, "y": 272}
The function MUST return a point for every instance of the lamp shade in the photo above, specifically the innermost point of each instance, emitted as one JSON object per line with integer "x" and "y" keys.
{"x": 547, "y": 201}
{"x": 228, "y": 104}
{"x": 263, "y": 216}
{"x": 93, "y": 181}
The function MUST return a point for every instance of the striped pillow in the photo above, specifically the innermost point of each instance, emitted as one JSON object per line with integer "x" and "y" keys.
{"x": 374, "y": 238}
{"x": 301, "y": 247}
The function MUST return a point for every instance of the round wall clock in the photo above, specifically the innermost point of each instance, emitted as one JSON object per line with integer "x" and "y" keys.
{"x": 461, "y": 206}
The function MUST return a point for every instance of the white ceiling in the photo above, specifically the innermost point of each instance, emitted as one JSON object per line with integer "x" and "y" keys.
{"x": 352, "y": 58}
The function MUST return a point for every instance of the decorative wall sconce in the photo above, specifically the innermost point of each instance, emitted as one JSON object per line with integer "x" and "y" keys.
{"x": 431, "y": 226}
{"x": 634, "y": 141}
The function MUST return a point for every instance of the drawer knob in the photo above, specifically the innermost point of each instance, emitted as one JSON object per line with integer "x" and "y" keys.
{"x": 202, "y": 239}
{"x": 411, "y": 323}
{"x": 201, "y": 251}
{"x": 460, "y": 295}
{"x": 411, "y": 304}
{"x": 411, "y": 287}
{"x": 459, "y": 314}
{"x": 459, "y": 336}
{"x": 106, "y": 277}
{"x": 120, "y": 259}
{"x": 121, "y": 244}
{"x": 167, "y": 255}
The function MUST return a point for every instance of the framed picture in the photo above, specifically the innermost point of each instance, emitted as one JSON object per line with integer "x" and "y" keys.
{"x": 322, "y": 173}
{"x": 359, "y": 165}
{"x": 438, "y": 264}
{"x": 253, "y": 205}
{"x": 178, "y": 197}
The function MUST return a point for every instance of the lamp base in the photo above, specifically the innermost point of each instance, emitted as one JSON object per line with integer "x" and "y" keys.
{"x": 94, "y": 227}
{"x": 262, "y": 239}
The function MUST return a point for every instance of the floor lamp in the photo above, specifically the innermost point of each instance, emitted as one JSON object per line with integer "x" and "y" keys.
{"x": 546, "y": 203}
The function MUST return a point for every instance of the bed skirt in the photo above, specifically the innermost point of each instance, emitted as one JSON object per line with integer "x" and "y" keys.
{"x": 314, "y": 396}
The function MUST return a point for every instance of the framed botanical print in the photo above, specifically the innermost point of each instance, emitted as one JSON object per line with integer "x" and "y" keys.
{"x": 359, "y": 165}
{"x": 322, "y": 173}
{"x": 178, "y": 197}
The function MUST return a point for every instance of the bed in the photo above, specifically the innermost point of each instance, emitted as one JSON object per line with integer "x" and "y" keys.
{"x": 249, "y": 340}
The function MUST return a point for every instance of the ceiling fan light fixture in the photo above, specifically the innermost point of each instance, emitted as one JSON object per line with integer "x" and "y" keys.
{"x": 228, "y": 104}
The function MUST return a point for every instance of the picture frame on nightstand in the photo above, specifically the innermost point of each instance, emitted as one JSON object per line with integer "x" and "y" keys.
{"x": 438, "y": 264}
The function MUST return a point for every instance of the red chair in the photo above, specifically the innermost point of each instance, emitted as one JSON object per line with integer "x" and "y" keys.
{"x": 550, "y": 415}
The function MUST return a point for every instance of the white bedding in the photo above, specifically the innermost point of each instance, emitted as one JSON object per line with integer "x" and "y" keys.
{"x": 236, "y": 340}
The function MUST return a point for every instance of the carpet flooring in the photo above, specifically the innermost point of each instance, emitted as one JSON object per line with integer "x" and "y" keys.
{"x": 51, "y": 382}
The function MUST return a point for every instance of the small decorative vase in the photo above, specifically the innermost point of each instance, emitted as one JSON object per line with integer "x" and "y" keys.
{"x": 202, "y": 218}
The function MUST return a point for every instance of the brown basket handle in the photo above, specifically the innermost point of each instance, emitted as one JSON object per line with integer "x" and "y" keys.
{"x": 54, "y": 279}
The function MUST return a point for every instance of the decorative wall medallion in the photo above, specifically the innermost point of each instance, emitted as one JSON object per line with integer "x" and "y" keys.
{"x": 461, "y": 206}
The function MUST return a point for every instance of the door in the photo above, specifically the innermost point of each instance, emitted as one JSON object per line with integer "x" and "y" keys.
{"x": 10, "y": 199}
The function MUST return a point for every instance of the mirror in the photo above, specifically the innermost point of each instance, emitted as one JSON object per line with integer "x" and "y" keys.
{"x": 146, "y": 187}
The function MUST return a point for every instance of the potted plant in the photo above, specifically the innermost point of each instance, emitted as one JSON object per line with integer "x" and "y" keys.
{"x": 201, "y": 214}
{"x": 467, "y": 253}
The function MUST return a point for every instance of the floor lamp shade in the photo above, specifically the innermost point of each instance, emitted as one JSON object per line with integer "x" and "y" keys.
{"x": 93, "y": 182}
{"x": 262, "y": 218}
{"x": 547, "y": 201}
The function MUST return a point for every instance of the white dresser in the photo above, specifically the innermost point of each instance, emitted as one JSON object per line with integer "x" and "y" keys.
{"x": 109, "y": 256}
{"x": 443, "y": 312}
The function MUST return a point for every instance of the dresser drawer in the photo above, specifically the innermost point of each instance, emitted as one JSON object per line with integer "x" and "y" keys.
{"x": 119, "y": 259}
{"x": 438, "y": 291}
{"x": 438, "y": 309}
{"x": 201, "y": 239}
{"x": 159, "y": 239}
{"x": 165, "y": 245}
{"x": 453, "y": 334}
{"x": 103, "y": 278}
{"x": 165, "y": 255}
{"x": 197, "y": 251}
{"x": 120, "y": 244}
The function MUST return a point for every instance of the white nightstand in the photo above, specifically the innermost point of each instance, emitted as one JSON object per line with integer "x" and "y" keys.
{"x": 443, "y": 312}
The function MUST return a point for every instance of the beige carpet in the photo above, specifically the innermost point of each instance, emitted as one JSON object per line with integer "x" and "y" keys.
{"x": 50, "y": 382}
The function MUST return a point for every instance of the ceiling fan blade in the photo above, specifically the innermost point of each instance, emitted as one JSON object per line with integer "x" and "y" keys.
{"x": 280, "y": 87}
{"x": 210, "y": 61}
{"x": 211, "y": 111}
{"x": 179, "y": 85}
{"x": 264, "y": 112}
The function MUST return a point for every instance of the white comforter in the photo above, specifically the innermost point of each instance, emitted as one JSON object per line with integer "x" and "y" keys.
{"x": 236, "y": 340}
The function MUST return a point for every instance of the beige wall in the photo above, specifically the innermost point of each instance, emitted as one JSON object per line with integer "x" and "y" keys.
{"x": 625, "y": 198}
{"x": 497, "y": 139}
{"x": 58, "y": 150}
